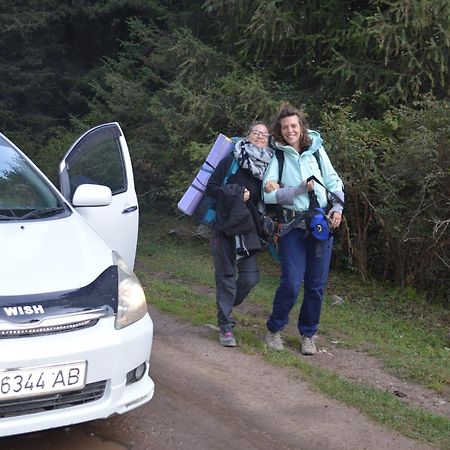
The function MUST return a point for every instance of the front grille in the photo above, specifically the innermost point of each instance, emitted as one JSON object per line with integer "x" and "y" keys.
{"x": 21, "y": 332}
{"x": 25, "y": 406}
{"x": 53, "y": 324}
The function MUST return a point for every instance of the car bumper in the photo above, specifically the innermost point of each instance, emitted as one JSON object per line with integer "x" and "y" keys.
{"x": 110, "y": 355}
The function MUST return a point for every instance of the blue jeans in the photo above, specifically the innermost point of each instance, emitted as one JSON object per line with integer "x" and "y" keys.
{"x": 303, "y": 260}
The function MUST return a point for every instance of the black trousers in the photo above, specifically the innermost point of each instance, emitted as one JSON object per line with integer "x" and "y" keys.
{"x": 231, "y": 290}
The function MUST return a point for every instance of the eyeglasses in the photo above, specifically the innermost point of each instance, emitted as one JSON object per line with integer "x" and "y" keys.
{"x": 258, "y": 133}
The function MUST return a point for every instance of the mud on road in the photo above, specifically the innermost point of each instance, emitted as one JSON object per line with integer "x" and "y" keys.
{"x": 209, "y": 397}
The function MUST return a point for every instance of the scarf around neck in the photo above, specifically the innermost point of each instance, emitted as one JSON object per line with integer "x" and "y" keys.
{"x": 253, "y": 158}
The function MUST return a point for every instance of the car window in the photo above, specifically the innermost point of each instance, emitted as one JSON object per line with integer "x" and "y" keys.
{"x": 22, "y": 188}
{"x": 97, "y": 160}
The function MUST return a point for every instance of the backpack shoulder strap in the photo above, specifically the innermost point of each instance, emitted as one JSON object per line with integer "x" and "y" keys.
{"x": 280, "y": 157}
{"x": 274, "y": 209}
{"x": 317, "y": 156}
{"x": 332, "y": 194}
{"x": 234, "y": 166}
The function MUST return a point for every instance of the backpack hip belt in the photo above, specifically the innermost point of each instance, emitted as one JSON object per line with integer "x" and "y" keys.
{"x": 296, "y": 220}
{"x": 286, "y": 215}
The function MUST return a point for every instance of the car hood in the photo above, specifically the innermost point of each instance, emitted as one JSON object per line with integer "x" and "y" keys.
{"x": 44, "y": 256}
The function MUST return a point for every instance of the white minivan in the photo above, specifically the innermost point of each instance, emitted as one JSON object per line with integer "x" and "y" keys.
{"x": 75, "y": 334}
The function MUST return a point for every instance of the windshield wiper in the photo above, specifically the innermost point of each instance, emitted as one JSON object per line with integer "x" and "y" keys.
{"x": 11, "y": 216}
{"x": 43, "y": 212}
{"x": 3, "y": 217}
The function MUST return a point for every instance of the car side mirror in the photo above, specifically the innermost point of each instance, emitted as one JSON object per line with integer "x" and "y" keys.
{"x": 92, "y": 195}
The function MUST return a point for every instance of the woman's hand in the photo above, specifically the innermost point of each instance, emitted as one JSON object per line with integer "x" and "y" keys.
{"x": 309, "y": 186}
{"x": 246, "y": 195}
{"x": 335, "y": 219}
{"x": 271, "y": 186}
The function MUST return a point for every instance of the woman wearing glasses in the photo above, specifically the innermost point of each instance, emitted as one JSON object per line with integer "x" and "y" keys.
{"x": 234, "y": 238}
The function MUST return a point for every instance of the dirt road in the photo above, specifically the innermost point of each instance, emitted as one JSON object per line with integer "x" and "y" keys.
{"x": 209, "y": 397}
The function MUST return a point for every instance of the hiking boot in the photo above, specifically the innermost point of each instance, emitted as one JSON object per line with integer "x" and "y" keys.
{"x": 274, "y": 341}
{"x": 308, "y": 347}
{"x": 227, "y": 339}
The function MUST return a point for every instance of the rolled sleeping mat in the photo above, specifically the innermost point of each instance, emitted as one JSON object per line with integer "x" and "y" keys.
{"x": 191, "y": 198}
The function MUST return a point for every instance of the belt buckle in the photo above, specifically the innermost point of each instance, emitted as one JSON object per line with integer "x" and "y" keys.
{"x": 288, "y": 214}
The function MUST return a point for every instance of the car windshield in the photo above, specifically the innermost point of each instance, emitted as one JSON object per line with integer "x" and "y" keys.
{"x": 24, "y": 194}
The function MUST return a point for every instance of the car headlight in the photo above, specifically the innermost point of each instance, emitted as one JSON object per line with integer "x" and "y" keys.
{"x": 132, "y": 305}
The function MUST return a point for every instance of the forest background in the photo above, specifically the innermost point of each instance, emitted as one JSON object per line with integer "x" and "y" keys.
{"x": 373, "y": 77}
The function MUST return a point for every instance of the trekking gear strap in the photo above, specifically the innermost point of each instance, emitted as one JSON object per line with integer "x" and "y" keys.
{"x": 332, "y": 194}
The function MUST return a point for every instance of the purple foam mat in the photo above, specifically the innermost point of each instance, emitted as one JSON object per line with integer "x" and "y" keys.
{"x": 196, "y": 190}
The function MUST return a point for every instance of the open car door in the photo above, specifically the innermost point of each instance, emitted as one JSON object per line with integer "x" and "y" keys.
{"x": 101, "y": 157}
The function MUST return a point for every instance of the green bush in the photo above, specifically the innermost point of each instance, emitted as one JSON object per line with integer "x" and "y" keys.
{"x": 397, "y": 178}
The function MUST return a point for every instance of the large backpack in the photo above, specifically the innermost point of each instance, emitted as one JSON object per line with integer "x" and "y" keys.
{"x": 205, "y": 213}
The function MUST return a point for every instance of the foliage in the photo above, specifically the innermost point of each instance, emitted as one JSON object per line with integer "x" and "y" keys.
{"x": 398, "y": 50}
{"x": 419, "y": 234}
{"x": 172, "y": 93}
{"x": 358, "y": 148}
{"x": 391, "y": 50}
{"x": 396, "y": 173}
{"x": 50, "y": 51}
{"x": 372, "y": 75}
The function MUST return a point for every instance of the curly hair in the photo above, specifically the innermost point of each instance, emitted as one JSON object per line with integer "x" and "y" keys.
{"x": 287, "y": 110}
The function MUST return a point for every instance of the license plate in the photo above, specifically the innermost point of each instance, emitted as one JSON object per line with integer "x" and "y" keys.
{"x": 26, "y": 382}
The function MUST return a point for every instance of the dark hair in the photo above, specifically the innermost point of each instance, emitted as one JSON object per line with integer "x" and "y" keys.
{"x": 253, "y": 125}
{"x": 287, "y": 110}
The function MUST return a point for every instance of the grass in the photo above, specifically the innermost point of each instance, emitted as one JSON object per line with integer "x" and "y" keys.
{"x": 411, "y": 347}
{"x": 401, "y": 330}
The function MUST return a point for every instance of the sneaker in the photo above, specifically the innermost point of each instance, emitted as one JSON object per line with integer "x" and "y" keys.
{"x": 227, "y": 339}
{"x": 308, "y": 347}
{"x": 274, "y": 341}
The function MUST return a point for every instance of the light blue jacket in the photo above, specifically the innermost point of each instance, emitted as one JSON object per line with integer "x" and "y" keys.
{"x": 297, "y": 168}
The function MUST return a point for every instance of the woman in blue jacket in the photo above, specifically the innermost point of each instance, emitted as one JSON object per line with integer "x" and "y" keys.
{"x": 304, "y": 259}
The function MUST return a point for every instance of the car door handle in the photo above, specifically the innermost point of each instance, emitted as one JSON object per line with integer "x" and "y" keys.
{"x": 129, "y": 209}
